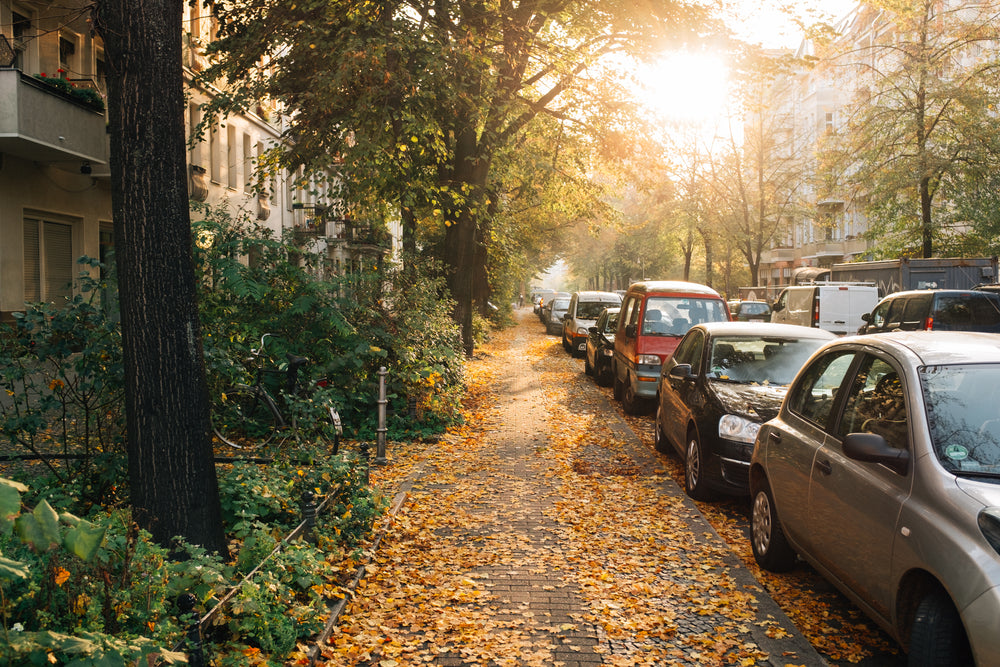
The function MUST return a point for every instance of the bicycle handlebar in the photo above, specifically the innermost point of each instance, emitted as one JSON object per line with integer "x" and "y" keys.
{"x": 256, "y": 351}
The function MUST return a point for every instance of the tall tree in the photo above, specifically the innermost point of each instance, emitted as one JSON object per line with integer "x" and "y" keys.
{"x": 760, "y": 176}
{"x": 927, "y": 78}
{"x": 174, "y": 491}
{"x": 419, "y": 99}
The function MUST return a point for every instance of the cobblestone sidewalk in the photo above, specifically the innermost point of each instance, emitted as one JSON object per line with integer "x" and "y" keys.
{"x": 495, "y": 559}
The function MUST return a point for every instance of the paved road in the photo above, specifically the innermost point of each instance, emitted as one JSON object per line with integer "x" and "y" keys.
{"x": 546, "y": 533}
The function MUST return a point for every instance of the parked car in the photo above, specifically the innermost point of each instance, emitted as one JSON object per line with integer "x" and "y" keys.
{"x": 601, "y": 346}
{"x": 836, "y": 307}
{"x": 584, "y": 307}
{"x": 545, "y": 312}
{"x": 947, "y": 310}
{"x": 538, "y": 299}
{"x": 654, "y": 317}
{"x": 751, "y": 311}
{"x": 555, "y": 310}
{"x": 724, "y": 380}
{"x": 882, "y": 470}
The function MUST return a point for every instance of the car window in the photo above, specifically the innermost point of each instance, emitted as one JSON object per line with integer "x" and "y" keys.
{"x": 813, "y": 395}
{"x": 630, "y": 313}
{"x": 760, "y": 360}
{"x": 689, "y": 351}
{"x": 875, "y": 403}
{"x": 962, "y": 416}
{"x": 915, "y": 312}
{"x": 678, "y": 314}
{"x": 966, "y": 312}
{"x": 878, "y": 316}
{"x": 611, "y": 323}
{"x": 754, "y": 309}
{"x": 894, "y": 316}
{"x": 589, "y": 310}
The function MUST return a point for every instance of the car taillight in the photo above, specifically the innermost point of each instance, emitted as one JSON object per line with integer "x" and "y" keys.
{"x": 815, "y": 321}
{"x": 930, "y": 323}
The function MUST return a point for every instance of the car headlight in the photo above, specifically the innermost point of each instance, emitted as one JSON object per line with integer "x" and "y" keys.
{"x": 583, "y": 331}
{"x": 648, "y": 359}
{"x": 989, "y": 523}
{"x": 732, "y": 427}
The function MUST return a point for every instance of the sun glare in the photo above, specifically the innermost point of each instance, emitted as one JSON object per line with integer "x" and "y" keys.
{"x": 686, "y": 87}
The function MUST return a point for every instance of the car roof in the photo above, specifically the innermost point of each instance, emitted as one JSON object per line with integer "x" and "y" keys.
{"x": 936, "y": 347}
{"x": 674, "y": 286}
{"x": 594, "y": 295}
{"x": 764, "y": 329}
{"x": 912, "y": 292}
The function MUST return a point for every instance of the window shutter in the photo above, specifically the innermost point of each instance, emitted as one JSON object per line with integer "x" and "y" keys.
{"x": 32, "y": 267}
{"x": 58, "y": 261}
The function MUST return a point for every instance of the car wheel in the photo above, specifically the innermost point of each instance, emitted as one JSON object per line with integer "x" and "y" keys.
{"x": 694, "y": 469}
{"x": 619, "y": 387}
{"x": 633, "y": 404}
{"x": 602, "y": 373}
{"x": 937, "y": 637}
{"x": 770, "y": 548}
{"x": 659, "y": 442}
{"x": 566, "y": 345}
{"x": 587, "y": 368}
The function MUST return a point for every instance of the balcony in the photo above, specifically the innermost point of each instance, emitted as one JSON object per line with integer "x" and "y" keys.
{"x": 42, "y": 124}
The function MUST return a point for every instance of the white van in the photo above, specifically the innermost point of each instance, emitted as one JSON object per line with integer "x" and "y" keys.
{"x": 835, "y": 307}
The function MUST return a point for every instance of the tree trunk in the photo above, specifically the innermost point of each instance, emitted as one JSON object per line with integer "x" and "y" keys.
{"x": 926, "y": 228}
{"x": 174, "y": 491}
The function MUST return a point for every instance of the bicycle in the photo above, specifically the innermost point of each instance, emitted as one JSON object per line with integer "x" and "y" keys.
{"x": 247, "y": 416}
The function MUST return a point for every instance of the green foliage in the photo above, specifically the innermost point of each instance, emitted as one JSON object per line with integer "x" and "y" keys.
{"x": 86, "y": 96}
{"x": 348, "y": 326}
{"x": 62, "y": 375}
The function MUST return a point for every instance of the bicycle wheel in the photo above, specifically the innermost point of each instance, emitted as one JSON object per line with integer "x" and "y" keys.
{"x": 244, "y": 418}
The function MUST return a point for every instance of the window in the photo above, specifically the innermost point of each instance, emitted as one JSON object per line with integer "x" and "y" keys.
{"x": 689, "y": 351}
{"x": 68, "y": 53}
{"x": 814, "y": 395}
{"x": 232, "y": 159}
{"x": 48, "y": 260}
{"x": 213, "y": 155}
{"x": 22, "y": 33}
{"x": 194, "y": 119}
{"x": 875, "y": 404}
{"x": 100, "y": 71}
{"x": 247, "y": 162}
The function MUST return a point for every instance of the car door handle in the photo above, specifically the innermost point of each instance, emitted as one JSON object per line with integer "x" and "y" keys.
{"x": 824, "y": 467}
{"x": 774, "y": 435}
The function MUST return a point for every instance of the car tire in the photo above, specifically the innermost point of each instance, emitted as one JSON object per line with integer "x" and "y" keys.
{"x": 694, "y": 469}
{"x": 937, "y": 637}
{"x": 659, "y": 441}
{"x": 602, "y": 373}
{"x": 619, "y": 387}
{"x": 587, "y": 368}
{"x": 632, "y": 404}
{"x": 566, "y": 346}
{"x": 770, "y": 548}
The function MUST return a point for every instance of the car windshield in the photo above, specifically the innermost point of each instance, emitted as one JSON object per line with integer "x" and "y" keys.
{"x": 754, "y": 308}
{"x": 590, "y": 310}
{"x": 772, "y": 360}
{"x": 962, "y": 416}
{"x": 673, "y": 316}
{"x": 560, "y": 304}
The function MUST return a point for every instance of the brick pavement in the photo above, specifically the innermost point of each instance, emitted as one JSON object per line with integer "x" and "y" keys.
{"x": 523, "y": 576}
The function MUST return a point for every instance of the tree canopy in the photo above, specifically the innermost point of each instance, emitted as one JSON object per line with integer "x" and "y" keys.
{"x": 421, "y": 103}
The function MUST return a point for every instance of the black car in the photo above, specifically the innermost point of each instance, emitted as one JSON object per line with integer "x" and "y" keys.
{"x": 751, "y": 311}
{"x": 601, "y": 347}
{"x": 724, "y": 380}
{"x": 938, "y": 310}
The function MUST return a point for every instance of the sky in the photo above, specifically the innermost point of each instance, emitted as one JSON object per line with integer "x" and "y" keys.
{"x": 764, "y": 22}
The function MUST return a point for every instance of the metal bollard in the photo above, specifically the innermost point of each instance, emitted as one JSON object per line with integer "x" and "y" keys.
{"x": 380, "y": 458}
{"x": 186, "y": 603}
{"x": 309, "y": 516}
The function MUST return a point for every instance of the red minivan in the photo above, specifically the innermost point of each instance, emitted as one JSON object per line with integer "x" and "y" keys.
{"x": 654, "y": 317}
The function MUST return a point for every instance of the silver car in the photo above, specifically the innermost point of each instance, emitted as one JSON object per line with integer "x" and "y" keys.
{"x": 882, "y": 469}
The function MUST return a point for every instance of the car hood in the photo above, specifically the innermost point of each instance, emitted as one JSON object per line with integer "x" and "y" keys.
{"x": 758, "y": 402}
{"x": 986, "y": 492}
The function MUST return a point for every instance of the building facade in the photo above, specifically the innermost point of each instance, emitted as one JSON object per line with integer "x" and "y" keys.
{"x": 55, "y": 194}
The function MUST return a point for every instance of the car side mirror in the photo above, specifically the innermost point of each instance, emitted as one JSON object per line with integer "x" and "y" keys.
{"x": 867, "y": 317}
{"x": 630, "y": 330}
{"x": 872, "y": 448}
{"x": 681, "y": 371}
{"x": 592, "y": 331}
{"x": 778, "y": 306}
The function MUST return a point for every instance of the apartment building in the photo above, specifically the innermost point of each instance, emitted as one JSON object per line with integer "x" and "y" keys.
{"x": 55, "y": 199}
